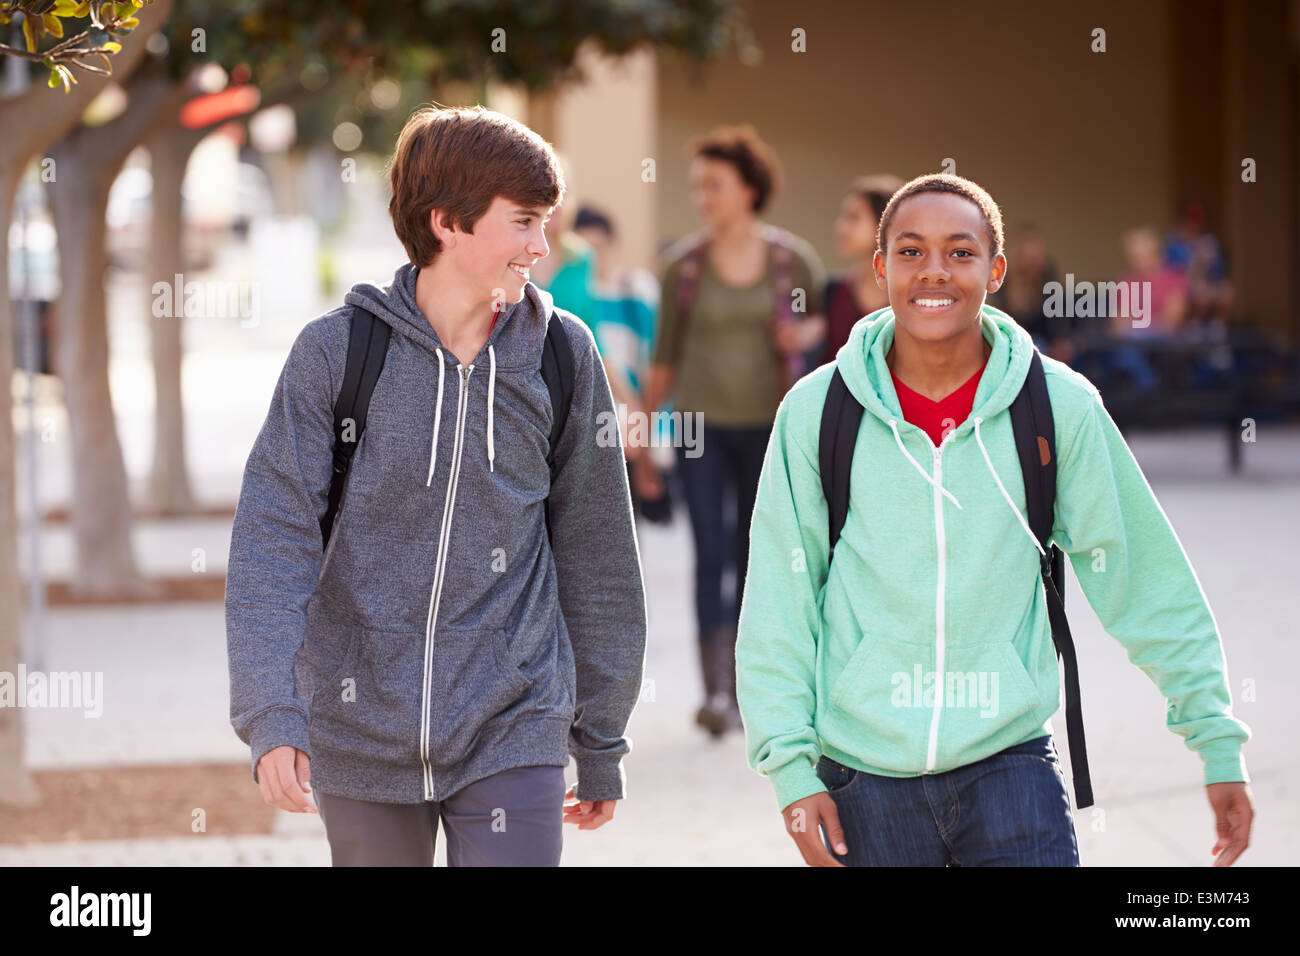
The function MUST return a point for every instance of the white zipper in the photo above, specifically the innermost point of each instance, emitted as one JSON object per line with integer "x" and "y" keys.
{"x": 439, "y": 569}
{"x": 933, "y": 748}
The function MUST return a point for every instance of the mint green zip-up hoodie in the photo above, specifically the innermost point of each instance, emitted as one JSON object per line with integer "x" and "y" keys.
{"x": 937, "y": 572}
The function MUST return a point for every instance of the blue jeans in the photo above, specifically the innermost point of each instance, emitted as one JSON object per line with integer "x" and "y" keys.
{"x": 1010, "y": 809}
{"x": 727, "y": 471}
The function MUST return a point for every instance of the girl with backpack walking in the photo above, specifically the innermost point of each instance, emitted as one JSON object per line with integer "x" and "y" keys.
{"x": 740, "y": 316}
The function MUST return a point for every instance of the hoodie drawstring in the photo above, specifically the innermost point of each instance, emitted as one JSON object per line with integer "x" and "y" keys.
{"x": 437, "y": 415}
{"x": 893, "y": 423}
{"x": 492, "y": 381}
{"x": 437, "y": 421}
{"x": 1023, "y": 523}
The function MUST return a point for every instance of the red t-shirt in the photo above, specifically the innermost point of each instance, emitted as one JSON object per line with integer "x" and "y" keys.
{"x": 935, "y": 417}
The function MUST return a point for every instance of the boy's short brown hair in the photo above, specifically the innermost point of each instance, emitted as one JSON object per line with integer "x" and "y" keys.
{"x": 459, "y": 159}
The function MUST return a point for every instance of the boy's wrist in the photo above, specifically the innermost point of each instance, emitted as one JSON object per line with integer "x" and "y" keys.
{"x": 277, "y": 727}
{"x": 1224, "y": 762}
{"x": 600, "y": 778}
{"x": 794, "y": 781}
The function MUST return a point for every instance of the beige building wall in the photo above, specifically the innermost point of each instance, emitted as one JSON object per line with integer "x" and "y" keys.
{"x": 1005, "y": 87}
{"x": 1086, "y": 144}
{"x": 604, "y": 130}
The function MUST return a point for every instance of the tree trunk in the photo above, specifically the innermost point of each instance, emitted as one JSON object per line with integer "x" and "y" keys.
{"x": 86, "y": 162}
{"x": 170, "y": 492}
{"x": 170, "y": 146}
{"x": 32, "y": 121}
{"x": 16, "y": 786}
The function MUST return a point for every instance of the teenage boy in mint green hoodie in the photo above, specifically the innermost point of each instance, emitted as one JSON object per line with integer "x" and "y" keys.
{"x": 936, "y": 572}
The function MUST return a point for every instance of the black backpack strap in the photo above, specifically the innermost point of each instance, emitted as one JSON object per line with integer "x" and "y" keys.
{"x": 841, "y": 417}
{"x": 367, "y": 348}
{"x": 1035, "y": 431}
{"x": 560, "y": 375}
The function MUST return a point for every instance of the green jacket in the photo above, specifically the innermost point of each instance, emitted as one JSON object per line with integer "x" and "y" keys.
{"x": 936, "y": 571}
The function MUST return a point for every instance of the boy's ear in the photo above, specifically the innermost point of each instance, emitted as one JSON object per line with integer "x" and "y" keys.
{"x": 999, "y": 273}
{"x": 878, "y": 266}
{"x": 442, "y": 228}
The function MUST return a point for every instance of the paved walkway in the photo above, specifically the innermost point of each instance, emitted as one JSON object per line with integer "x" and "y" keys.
{"x": 692, "y": 800}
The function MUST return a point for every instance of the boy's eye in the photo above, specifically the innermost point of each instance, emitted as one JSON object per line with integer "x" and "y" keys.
{"x": 964, "y": 252}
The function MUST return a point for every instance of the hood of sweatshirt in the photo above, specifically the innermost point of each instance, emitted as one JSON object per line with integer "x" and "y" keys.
{"x": 514, "y": 344}
{"x": 439, "y": 636}
{"x": 925, "y": 645}
{"x": 861, "y": 361}
{"x": 862, "y": 364}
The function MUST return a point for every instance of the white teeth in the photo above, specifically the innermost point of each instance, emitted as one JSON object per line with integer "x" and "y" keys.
{"x": 935, "y": 303}
{"x": 519, "y": 270}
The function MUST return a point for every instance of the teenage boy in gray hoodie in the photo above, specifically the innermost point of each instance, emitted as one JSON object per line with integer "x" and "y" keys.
{"x": 445, "y": 653}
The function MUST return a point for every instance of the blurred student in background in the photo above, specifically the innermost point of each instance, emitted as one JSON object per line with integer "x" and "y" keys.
{"x": 1196, "y": 253}
{"x": 852, "y": 294}
{"x": 1023, "y": 295}
{"x": 740, "y": 319}
{"x": 626, "y": 301}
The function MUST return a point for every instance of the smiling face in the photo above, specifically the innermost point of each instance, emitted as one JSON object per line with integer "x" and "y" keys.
{"x": 937, "y": 265}
{"x": 506, "y": 242}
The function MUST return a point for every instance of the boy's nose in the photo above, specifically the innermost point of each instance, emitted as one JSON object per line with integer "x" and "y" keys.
{"x": 538, "y": 247}
{"x": 934, "y": 269}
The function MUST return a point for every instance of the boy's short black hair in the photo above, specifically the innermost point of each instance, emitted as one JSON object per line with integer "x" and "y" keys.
{"x": 945, "y": 183}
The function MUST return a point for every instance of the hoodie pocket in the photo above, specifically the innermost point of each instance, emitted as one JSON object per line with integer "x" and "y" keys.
{"x": 877, "y": 709}
{"x": 376, "y": 713}
{"x": 475, "y": 679}
{"x": 988, "y": 692}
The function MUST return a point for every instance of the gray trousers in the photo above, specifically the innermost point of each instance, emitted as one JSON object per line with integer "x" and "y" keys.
{"x": 512, "y": 818}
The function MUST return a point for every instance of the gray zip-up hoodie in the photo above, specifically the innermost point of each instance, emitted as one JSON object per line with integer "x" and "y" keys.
{"x": 440, "y": 637}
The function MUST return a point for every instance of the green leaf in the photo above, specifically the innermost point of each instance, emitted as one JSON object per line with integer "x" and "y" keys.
{"x": 30, "y": 31}
{"x": 64, "y": 74}
{"x": 67, "y": 8}
{"x": 53, "y": 25}
{"x": 54, "y": 79}
{"x": 112, "y": 46}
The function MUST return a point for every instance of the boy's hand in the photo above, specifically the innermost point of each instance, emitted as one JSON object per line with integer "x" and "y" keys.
{"x": 802, "y": 821}
{"x": 1233, "y": 814}
{"x": 283, "y": 776}
{"x": 587, "y": 814}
